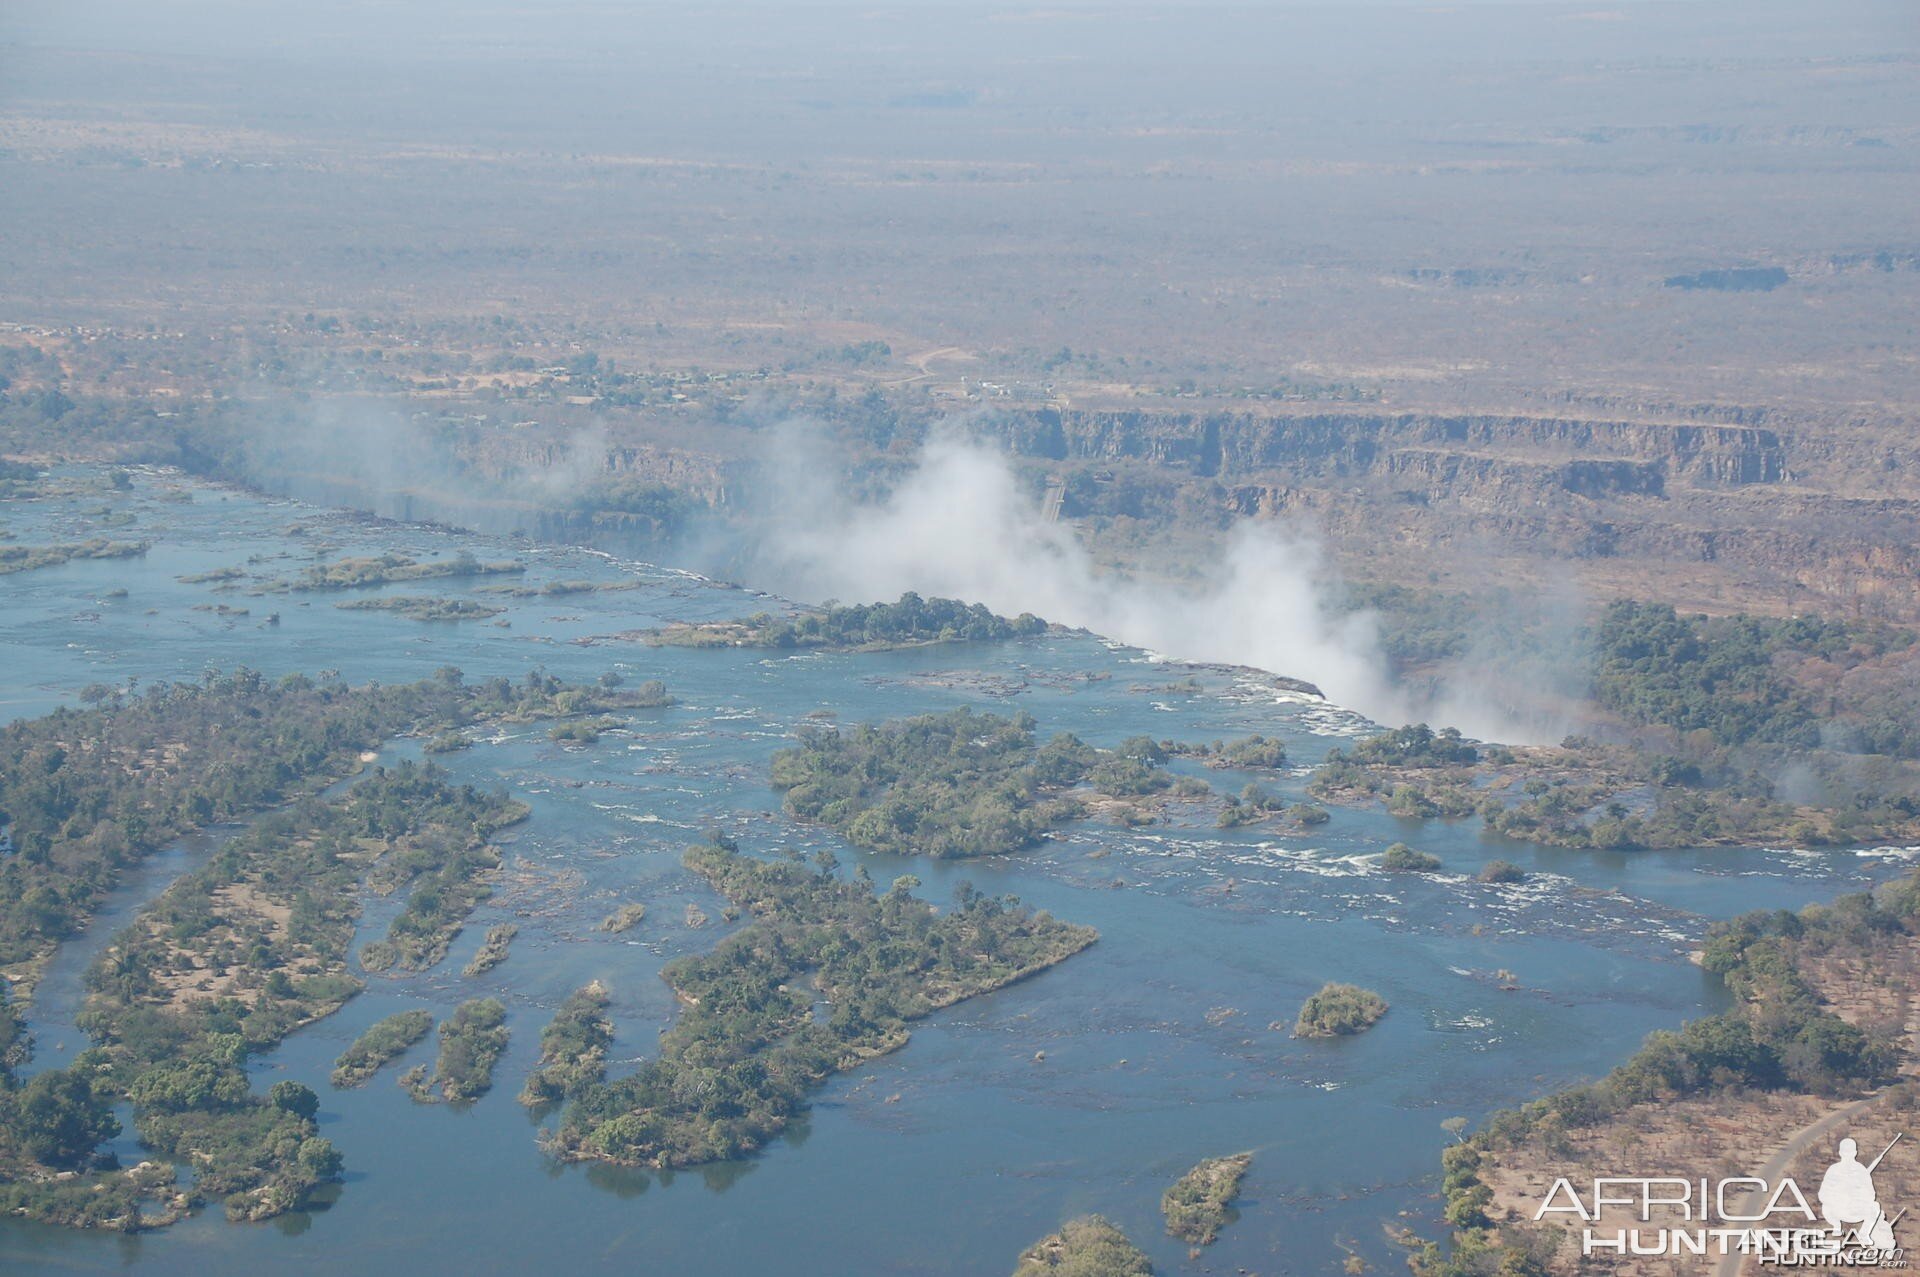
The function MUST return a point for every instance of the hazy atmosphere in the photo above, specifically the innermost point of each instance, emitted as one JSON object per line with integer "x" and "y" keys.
{"x": 1074, "y": 639}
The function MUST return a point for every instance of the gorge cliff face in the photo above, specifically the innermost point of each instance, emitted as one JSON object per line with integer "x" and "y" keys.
{"x": 1351, "y": 444}
{"x": 1719, "y": 514}
{"x": 1715, "y": 509}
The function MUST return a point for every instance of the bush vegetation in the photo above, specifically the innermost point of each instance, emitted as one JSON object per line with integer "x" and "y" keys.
{"x": 382, "y": 1043}
{"x": 89, "y": 792}
{"x": 493, "y": 949}
{"x": 1777, "y": 1037}
{"x": 910, "y": 621}
{"x": 573, "y": 1049}
{"x": 472, "y": 1040}
{"x": 625, "y": 918}
{"x": 1748, "y": 679}
{"x": 226, "y": 962}
{"x": 953, "y": 784}
{"x": 348, "y": 574}
{"x": 1253, "y": 753}
{"x": 825, "y": 974}
{"x": 1086, "y": 1247}
{"x": 1338, "y": 1010}
{"x": 1196, "y": 1206}
{"x": 423, "y": 608}
{"x": 581, "y": 731}
{"x": 25, "y": 558}
{"x": 1401, "y": 858}
{"x": 234, "y": 956}
{"x": 1701, "y": 719}
{"x": 447, "y": 886}
{"x": 1251, "y": 804}
{"x": 1577, "y": 795}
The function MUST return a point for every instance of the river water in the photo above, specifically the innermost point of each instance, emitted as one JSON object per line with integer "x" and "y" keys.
{"x": 1089, "y": 1088}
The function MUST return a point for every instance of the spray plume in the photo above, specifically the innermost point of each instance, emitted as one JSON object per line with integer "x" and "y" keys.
{"x": 960, "y": 525}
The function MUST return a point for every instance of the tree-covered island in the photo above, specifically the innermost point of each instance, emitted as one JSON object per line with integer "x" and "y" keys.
{"x": 223, "y": 965}
{"x": 825, "y": 974}
{"x": 1339, "y": 1010}
{"x": 1197, "y": 1206}
{"x": 87, "y": 793}
{"x": 1091, "y": 1246}
{"x": 573, "y": 1049}
{"x": 911, "y": 621}
{"x": 237, "y": 954}
{"x": 385, "y": 569}
{"x": 418, "y": 607}
{"x": 963, "y": 783}
{"x": 26, "y": 558}
{"x": 472, "y": 1040}
{"x": 383, "y": 1042}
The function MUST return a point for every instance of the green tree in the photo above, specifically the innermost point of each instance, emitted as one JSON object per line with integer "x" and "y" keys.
{"x": 295, "y": 1097}
{"x": 60, "y": 1118}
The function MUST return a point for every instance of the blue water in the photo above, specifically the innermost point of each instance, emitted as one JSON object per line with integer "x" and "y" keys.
{"x": 1088, "y": 1088}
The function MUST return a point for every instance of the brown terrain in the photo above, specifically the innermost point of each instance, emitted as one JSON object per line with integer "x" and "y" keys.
{"x": 1742, "y": 1134}
{"x": 1778, "y": 517}
{"x": 1588, "y": 302}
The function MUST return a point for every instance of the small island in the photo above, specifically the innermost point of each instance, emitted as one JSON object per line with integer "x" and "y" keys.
{"x": 1249, "y": 753}
{"x": 786, "y": 1002}
{"x": 420, "y": 607}
{"x": 215, "y": 576}
{"x": 1339, "y": 1010}
{"x": 573, "y": 1049}
{"x": 472, "y": 1041}
{"x": 1196, "y": 1207}
{"x": 349, "y": 574}
{"x": 26, "y": 558}
{"x": 447, "y": 886}
{"x": 865, "y": 627}
{"x": 625, "y": 918}
{"x": 964, "y": 784}
{"x": 1501, "y": 871}
{"x": 1403, "y": 859}
{"x": 1255, "y": 803}
{"x": 1087, "y": 1247}
{"x": 493, "y": 949}
{"x": 382, "y": 1043}
{"x": 581, "y": 731}
{"x": 558, "y": 589}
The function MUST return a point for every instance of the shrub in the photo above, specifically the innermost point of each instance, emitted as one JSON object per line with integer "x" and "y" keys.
{"x": 1400, "y": 858}
{"x": 1338, "y": 1010}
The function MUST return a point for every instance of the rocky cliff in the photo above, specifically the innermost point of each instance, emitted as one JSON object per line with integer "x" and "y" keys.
{"x": 1710, "y": 510}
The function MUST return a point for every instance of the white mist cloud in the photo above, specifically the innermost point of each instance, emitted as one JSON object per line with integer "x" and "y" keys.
{"x": 959, "y": 525}
{"x": 1526, "y": 673}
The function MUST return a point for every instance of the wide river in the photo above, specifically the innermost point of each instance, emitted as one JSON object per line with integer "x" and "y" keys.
{"x": 1087, "y": 1089}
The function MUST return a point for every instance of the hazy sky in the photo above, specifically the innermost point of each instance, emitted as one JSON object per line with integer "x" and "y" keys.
{"x": 390, "y": 27}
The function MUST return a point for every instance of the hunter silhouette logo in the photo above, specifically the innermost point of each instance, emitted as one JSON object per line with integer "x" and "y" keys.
{"x": 1774, "y": 1222}
{"x": 1848, "y": 1202}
